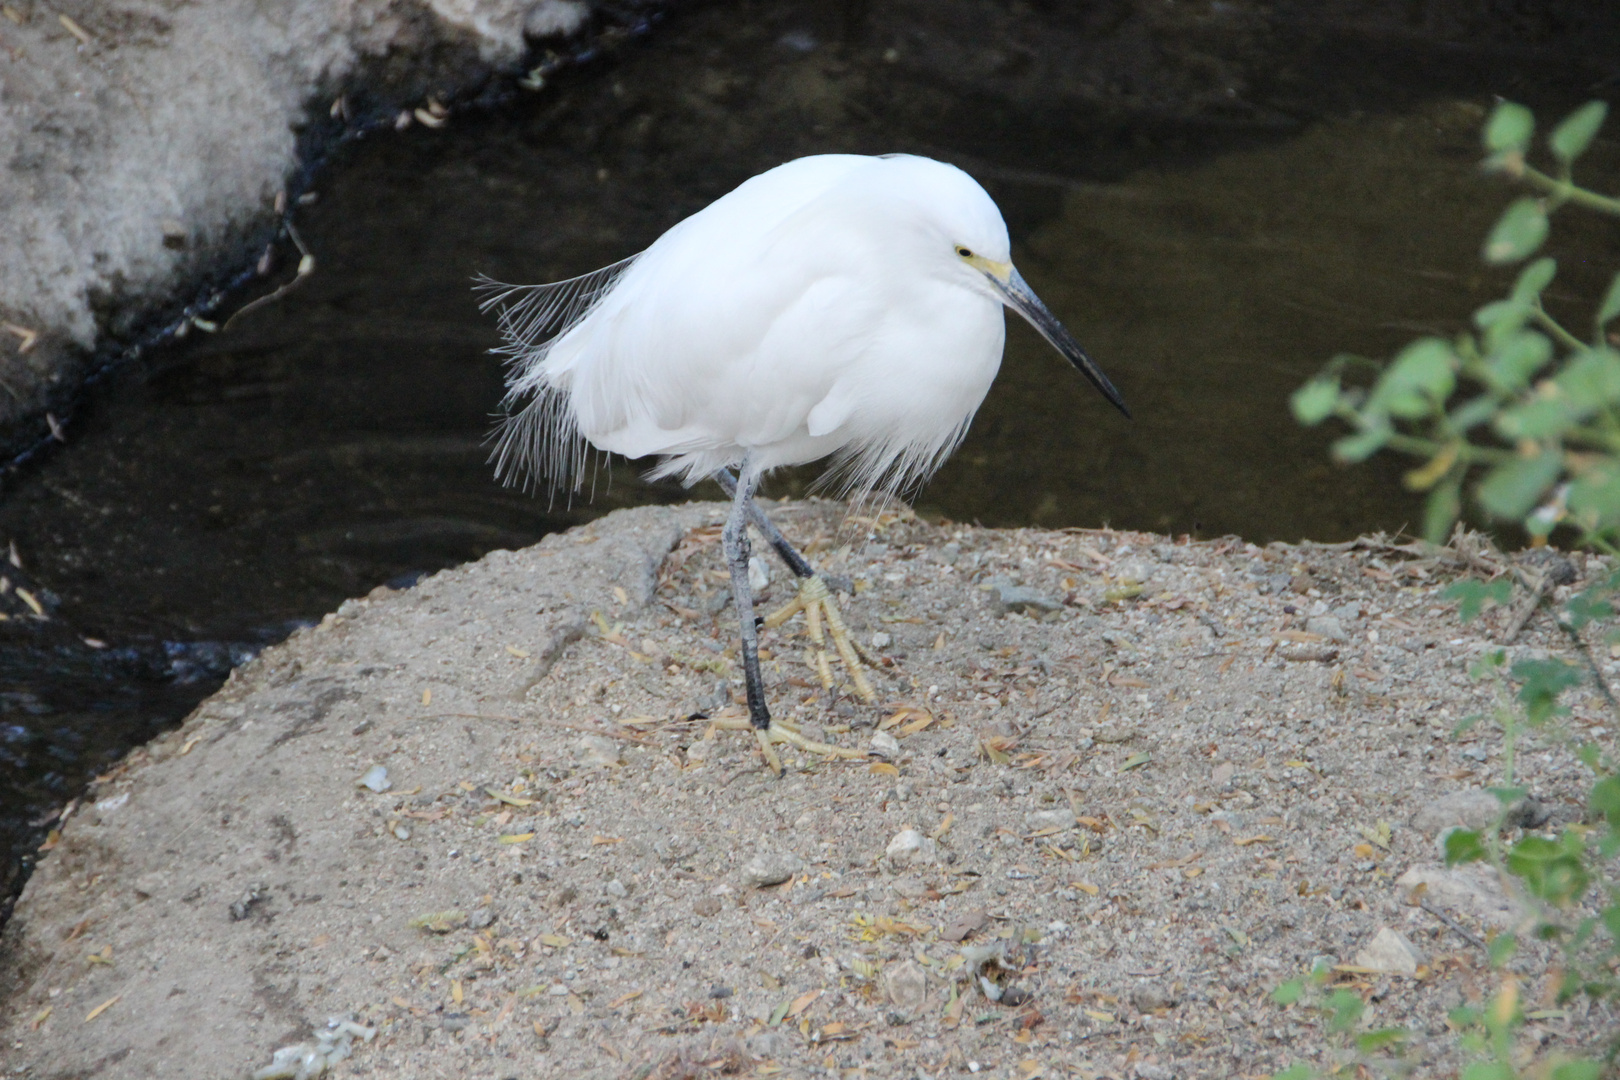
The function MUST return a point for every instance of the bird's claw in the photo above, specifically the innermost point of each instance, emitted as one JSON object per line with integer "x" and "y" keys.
{"x": 815, "y": 599}
{"x": 785, "y": 732}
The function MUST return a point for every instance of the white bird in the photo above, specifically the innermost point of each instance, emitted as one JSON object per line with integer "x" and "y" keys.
{"x": 836, "y": 306}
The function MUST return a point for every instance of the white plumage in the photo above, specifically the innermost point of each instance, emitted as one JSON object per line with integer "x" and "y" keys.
{"x": 819, "y": 309}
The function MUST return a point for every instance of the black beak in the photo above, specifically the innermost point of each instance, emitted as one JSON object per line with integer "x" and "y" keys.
{"x": 1021, "y": 298}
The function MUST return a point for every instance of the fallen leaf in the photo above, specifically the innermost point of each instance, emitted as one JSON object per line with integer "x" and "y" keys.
{"x": 556, "y": 941}
{"x": 944, "y": 826}
{"x": 1378, "y": 834}
{"x": 599, "y": 840}
{"x": 623, "y": 998}
{"x": 516, "y": 838}
{"x": 1136, "y": 761}
{"x": 900, "y": 716}
{"x": 455, "y": 991}
{"x": 882, "y": 768}
{"x": 40, "y": 1017}
{"x": 801, "y": 1003}
{"x": 1085, "y": 886}
{"x": 509, "y": 800}
{"x": 103, "y": 1007}
{"x": 1247, "y": 840}
{"x": 517, "y": 652}
{"x": 575, "y": 1004}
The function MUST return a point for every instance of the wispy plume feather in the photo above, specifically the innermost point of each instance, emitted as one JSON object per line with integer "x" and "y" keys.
{"x": 538, "y": 442}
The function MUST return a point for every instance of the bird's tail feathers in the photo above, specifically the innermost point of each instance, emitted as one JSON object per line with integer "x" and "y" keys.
{"x": 538, "y": 443}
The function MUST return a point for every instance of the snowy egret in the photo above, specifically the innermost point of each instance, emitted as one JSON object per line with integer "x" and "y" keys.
{"x": 837, "y": 305}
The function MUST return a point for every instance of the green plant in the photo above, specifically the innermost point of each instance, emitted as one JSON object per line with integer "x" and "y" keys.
{"x": 1532, "y": 411}
{"x": 1521, "y": 402}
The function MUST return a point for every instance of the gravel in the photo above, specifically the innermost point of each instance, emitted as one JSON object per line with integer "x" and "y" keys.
{"x": 1096, "y": 841}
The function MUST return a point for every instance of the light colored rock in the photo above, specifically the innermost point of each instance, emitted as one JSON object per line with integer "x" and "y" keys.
{"x": 1038, "y": 820}
{"x": 910, "y": 848}
{"x": 885, "y": 745}
{"x": 771, "y": 868}
{"x": 759, "y": 573}
{"x": 1471, "y": 808}
{"x": 1473, "y": 889}
{"x": 597, "y": 751}
{"x": 907, "y": 985}
{"x": 1328, "y": 626}
{"x": 151, "y": 140}
{"x": 1390, "y": 952}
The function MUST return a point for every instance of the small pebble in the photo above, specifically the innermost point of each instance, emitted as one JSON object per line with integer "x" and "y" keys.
{"x": 884, "y": 745}
{"x": 771, "y": 868}
{"x": 376, "y": 778}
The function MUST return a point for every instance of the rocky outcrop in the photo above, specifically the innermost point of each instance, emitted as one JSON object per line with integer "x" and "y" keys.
{"x": 144, "y": 139}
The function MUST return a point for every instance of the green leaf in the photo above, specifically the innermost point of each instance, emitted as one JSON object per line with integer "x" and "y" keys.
{"x": 1590, "y": 381}
{"x": 1605, "y": 799}
{"x": 1472, "y": 596}
{"x": 1502, "y": 948}
{"x": 1473, "y": 413}
{"x": 1611, "y": 304}
{"x": 1542, "y": 683}
{"x": 1509, "y": 128}
{"x": 1575, "y": 132}
{"x": 1363, "y": 444}
{"x": 1532, "y": 279}
{"x": 1289, "y": 992}
{"x": 1594, "y": 499}
{"x": 1552, "y": 870}
{"x": 1511, "y": 489}
{"x": 1578, "y": 1070}
{"x": 1516, "y": 357}
{"x": 1346, "y": 1008}
{"x": 1297, "y": 1071}
{"x": 1316, "y": 400}
{"x": 1489, "y": 1070}
{"x": 1586, "y": 607}
{"x": 1441, "y": 508}
{"x": 1422, "y": 375}
{"x": 1378, "y": 1040}
{"x": 1463, "y": 845}
{"x": 1542, "y": 417}
{"x": 1507, "y": 796}
{"x": 1512, "y": 313}
{"x": 1518, "y": 233}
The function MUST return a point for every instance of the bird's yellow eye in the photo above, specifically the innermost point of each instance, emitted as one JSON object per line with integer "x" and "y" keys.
{"x": 964, "y": 252}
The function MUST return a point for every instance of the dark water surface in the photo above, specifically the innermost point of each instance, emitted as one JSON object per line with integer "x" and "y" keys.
{"x": 1211, "y": 258}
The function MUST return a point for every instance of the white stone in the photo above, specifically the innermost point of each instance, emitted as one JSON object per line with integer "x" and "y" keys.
{"x": 771, "y": 868}
{"x": 1037, "y": 820}
{"x": 1391, "y": 953}
{"x": 910, "y": 848}
{"x": 597, "y": 751}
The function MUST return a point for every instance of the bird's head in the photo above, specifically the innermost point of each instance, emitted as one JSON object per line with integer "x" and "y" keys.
{"x": 967, "y": 240}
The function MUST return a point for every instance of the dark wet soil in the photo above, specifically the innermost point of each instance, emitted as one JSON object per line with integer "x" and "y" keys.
{"x": 1214, "y": 197}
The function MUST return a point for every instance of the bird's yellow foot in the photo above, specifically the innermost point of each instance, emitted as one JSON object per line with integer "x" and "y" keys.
{"x": 781, "y": 731}
{"x": 815, "y": 599}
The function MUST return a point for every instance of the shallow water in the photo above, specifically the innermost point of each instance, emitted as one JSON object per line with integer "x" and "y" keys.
{"x": 229, "y": 488}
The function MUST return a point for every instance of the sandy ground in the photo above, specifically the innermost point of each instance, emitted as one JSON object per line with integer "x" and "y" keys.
{"x": 1125, "y": 784}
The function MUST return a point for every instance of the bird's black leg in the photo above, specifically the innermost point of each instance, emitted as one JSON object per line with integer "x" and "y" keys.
{"x": 734, "y": 539}
{"x": 795, "y": 562}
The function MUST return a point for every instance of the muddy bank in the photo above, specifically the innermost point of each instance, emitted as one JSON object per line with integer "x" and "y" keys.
{"x": 1147, "y": 779}
{"x": 146, "y": 143}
